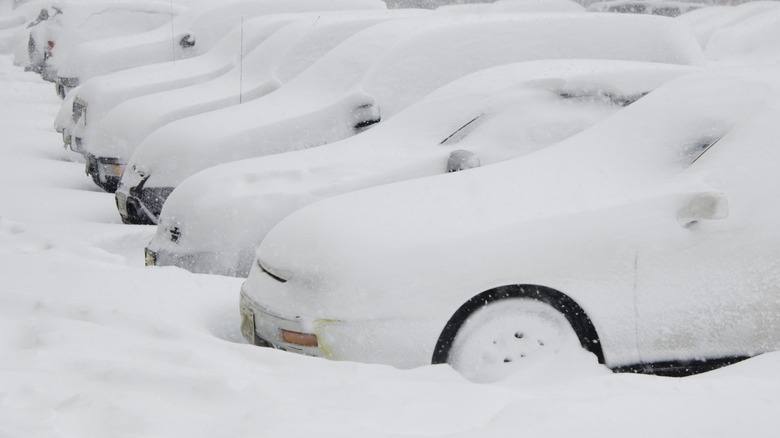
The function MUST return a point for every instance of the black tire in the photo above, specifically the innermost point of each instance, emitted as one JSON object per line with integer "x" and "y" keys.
{"x": 535, "y": 299}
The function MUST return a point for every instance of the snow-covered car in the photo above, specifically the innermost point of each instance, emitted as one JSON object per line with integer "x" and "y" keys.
{"x": 193, "y": 33}
{"x": 95, "y": 98}
{"x": 59, "y": 28}
{"x": 647, "y": 240}
{"x": 214, "y": 221}
{"x": 753, "y": 39}
{"x": 375, "y": 74}
{"x": 111, "y": 140}
{"x": 655, "y": 7}
{"x": 707, "y": 21}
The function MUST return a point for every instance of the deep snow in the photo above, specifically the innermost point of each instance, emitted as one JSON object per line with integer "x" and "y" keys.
{"x": 93, "y": 344}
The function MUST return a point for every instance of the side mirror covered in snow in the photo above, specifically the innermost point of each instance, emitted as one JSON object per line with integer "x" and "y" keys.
{"x": 462, "y": 159}
{"x": 366, "y": 112}
{"x": 704, "y": 206}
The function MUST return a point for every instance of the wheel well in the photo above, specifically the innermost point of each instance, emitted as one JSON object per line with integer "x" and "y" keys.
{"x": 577, "y": 317}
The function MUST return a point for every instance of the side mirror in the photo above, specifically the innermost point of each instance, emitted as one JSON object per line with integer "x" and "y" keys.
{"x": 187, "y": 40}
{"x": 366, "y": 112}
{"x": 462, "y": 159}
{"x": 704, "y": 206}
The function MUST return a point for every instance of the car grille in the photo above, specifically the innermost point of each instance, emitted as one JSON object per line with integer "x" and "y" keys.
{"x": 175, "y": 234}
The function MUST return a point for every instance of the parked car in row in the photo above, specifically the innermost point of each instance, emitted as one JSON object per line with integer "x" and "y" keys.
{"x": 61, "y": 27}
{"x": 372, "y": 76}
{"x": 706, "y": 21}
{"x": 93, "y": 100}
{"x": 646, "y": 240}
{"x": 294, "y": 44}
{"x": 192, "y": 33}
{"x": 214, "y": 221}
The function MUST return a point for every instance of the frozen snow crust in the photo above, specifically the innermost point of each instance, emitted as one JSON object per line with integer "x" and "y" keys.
{"x": 374, "y": 69}
{"x": 222, "y": 213}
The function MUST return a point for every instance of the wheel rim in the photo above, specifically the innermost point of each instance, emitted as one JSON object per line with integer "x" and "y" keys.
{"x": 510, "y": 335}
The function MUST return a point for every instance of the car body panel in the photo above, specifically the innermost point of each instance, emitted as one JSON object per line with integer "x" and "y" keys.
{"x": 578, "y": 217}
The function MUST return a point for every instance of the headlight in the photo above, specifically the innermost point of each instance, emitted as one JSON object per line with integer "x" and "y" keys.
{"x": 109, "y": 168}
{"x": 277, "y": 274}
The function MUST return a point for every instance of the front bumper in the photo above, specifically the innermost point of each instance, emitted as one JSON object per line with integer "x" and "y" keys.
{"x": 203, "y": 262}
{"x": 104, "y": 171}
{"x": 141, "y": 205}
{"x": 264, "y": 328}
{"x": 68, "y": 83}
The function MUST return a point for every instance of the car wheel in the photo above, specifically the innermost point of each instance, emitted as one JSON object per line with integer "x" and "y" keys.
{"x": 509, "y": 335}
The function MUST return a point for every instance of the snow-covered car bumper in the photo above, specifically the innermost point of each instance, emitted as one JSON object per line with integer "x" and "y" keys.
{"x": 104, "y": 171}
{"x": 140, "y": 205}
{"x": 265, "y": 328}
{"x": 399, "y": 342}
{"x": 201, "y": 262}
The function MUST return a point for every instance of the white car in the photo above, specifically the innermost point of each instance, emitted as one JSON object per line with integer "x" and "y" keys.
{"x": 61, "y": 27}
{"x": 754, "y": 39}
{"x": 111, "y": 140}
{"x": 375, "y": 74}
{"x": 214, "y": 221}
{"x": 647, "y": 240}
{"x": 192, "y": 33}
{"x": 710, "y": 20}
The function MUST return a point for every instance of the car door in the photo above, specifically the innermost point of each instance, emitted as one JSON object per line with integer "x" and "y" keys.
{"x": 710, "y": 288}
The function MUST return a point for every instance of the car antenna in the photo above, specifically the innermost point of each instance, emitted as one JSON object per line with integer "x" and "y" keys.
{"x": 241, "y": 64}
{"x": 173, "y": 38}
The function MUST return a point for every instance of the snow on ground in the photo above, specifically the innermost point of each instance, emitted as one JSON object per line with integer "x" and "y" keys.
{"x": 93, "y": 344}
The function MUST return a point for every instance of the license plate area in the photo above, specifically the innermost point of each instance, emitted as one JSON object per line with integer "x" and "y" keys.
{"x": 121, "y": 203}
{"x": 150, "y": 257}
{"x": 248, "y": 324}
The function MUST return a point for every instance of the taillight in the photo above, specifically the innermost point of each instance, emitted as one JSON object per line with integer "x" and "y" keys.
{"x": 49, "y": 48}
